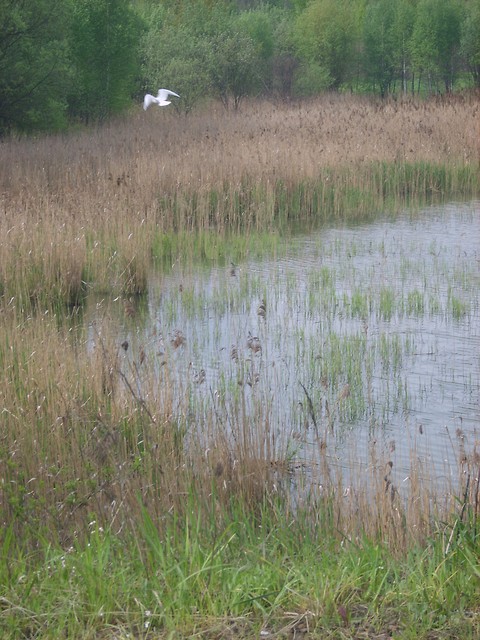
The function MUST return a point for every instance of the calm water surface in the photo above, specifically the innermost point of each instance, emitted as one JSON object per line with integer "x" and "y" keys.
{"x": 376, "y": 325}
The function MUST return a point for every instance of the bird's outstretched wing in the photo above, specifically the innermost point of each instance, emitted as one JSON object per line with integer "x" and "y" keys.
{"x": 148, "y": 100}
{"x": 163, "y": 94}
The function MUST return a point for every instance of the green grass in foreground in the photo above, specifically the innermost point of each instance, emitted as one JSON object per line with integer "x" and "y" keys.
{"x": 273, "y": 572}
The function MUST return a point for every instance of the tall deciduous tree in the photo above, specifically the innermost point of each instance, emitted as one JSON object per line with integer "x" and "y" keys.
{"x": 33, "y": 64}
{"x": 379, "y": 44}
{"x": 402, "y": 33}
{"x": 233, "y": 65}
{"x": 470, "y": 39}
{"x": 326, "y": 33}
{"x": 105, "y": 38}
{"x": 258, "y": 25}
{"x": 436, "y": 40}
{"x": 284, "y": 58}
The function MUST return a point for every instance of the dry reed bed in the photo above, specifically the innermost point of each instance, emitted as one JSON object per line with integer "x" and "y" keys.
{"x": 121, "y": 169}
{"x": 85, "y": 206}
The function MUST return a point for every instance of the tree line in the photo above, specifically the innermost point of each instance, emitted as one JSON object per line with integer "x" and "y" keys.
{"x": 80, "y": 61}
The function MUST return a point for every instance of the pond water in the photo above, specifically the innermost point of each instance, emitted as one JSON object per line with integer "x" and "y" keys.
{"x": 349, "y": 336}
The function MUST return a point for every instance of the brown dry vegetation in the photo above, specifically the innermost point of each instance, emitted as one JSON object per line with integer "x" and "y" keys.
{"x": 78, "y": 438}
{"x": 87, "y": 205}
{"x": 120, "y": 171}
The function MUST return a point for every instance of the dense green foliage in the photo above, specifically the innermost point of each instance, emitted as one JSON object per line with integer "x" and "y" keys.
{"x": 34, "y": 69}
{"x": 84, "y": 60}
{"x": 104, "y": 55}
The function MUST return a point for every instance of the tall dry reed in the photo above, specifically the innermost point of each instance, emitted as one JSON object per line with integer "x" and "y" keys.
{"x": 100, "y": 197}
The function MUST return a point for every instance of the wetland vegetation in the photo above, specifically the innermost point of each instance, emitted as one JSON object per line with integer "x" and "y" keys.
{"x": 209, "y": 346}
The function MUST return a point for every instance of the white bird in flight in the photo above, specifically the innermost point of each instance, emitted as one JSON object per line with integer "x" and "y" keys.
{"x": 161, "y": 98}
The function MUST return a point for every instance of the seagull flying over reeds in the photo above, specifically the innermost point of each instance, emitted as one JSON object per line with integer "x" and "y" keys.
{"x": 161, "y": 98}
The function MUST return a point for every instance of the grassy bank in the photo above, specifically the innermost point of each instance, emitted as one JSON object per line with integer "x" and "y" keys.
{"x": 272, "y": 574}
{"x": 131, "y": 507}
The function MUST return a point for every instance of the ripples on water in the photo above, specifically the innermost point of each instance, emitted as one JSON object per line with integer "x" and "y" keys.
{"x": 380, "y": 324}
